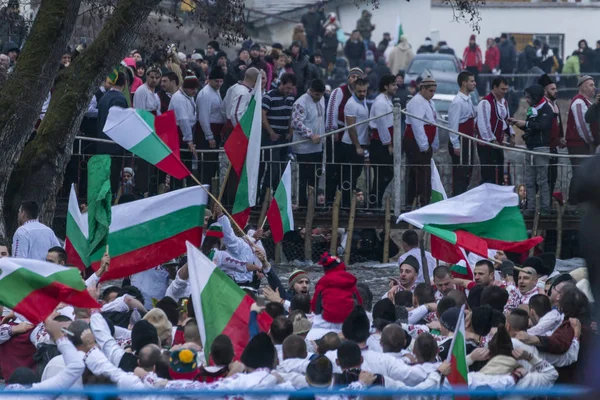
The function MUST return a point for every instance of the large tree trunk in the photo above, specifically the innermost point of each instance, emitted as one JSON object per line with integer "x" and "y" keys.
{"x": 26, "y": 89}
{"x": 40, "y": 171}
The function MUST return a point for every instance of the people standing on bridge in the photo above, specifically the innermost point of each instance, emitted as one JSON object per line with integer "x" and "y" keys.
{"x": 493, "y": 127}
{"x": 382, "y": 133}
{"x": 557, "y": 136}
{"x": 420, "y": 141}
{"x": 461, "y": 117}
{"x": 538, "y": 128}
{"x": 581, "y": 136}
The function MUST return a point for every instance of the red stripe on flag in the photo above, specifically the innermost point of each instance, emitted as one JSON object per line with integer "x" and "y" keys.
{"x": 242, "y": 217}
{"x": 165, "y": 126}
{"x": 450, "y": 253}
{"x": 148, "y": 257}
{"x": 236, "y": 148}
{"x": 471, "y": 243}
{"x": 514, "y": 247}
{"x": 73, "y": 256}
{"x": 275, "y": 222}
{"x": 173, "y": 166}
{"x": 237, "y": 327}
{"x": 42, "y": 302}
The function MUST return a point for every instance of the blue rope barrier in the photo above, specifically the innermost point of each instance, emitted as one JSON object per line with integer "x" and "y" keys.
{"x": 101, "y": 392}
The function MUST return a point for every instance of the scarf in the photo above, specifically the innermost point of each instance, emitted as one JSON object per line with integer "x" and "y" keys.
{"x": 533, "y": 111}
{"x": 500, "y": 365}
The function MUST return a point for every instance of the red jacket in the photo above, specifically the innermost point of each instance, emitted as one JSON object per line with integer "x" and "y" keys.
{"x": 492, "y": 58}
{"x": 16, "y": 352}
{"x": 472, "y": 58}
{"x": 335, "y": 295}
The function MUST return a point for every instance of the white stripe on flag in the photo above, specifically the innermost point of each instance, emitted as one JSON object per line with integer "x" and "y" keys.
{"x": 286, "y": 179}
{"x": 436, "y": 181}
{"x": 253, "y": 153}
{"x": 42, "y": 268}
{"x": 200, "y": 269}
{"x": 75, "y": 212}
{"x": 126, "y": 127}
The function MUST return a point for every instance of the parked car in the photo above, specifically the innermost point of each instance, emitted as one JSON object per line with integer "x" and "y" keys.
{"x": 447, "y": 88}
{"x": 432, "y": 62}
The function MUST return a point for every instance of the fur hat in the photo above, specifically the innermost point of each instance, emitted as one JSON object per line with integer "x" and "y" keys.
{"x": 296, "y": 276}
{"x": 143, "y": 333}
{"x": 356, "y": 327}
{"x": 183, "y": 364}
{"x": 413, "y": 262}
{"x": 159, "y": 320}
{"x": 545, "y": 80}
{"x": 216, "y": 73}
{"x": 191, "y": 82}
{"x": 259, "y": 352}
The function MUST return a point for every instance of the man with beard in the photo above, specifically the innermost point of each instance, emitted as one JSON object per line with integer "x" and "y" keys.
{"x": 420, "y": 141}
{"x": 335, "y": 119}
{"x": 355, "y": 141}
{"x": 211, "y": 120}
{"x": 298, "y": 284}
{"x": 557, "y": 136}
{"x": 169, "y": 84}
{"x": 146, "y": 97}
{"x": 461, "y": 117}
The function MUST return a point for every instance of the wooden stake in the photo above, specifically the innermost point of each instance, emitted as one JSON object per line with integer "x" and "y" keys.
{"x": 424, "y": 264}
{"x": 386, "y": 236}
{"x": 559, "y": 228}
{"x": 223, "y": 186}
{"x": 310, "y": 213}
{"x": 278, "y": 253}
{"x": 350, "y": 228}
{"x": 265, "y": 206}
{"x": 536, "y": 221}
{"x": 335, "y": 222}
{"x": 107, "y": 249}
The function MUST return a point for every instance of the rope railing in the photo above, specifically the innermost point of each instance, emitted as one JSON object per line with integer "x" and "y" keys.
{"x": 497, "y": 146}
{"x": 102, "y": 392}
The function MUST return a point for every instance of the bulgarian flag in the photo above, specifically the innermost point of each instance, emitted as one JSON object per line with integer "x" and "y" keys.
{"x": 457, "y": 356}
{"x": 221, "y": 306}
{"x": 77, "y": 234}
{"x": 280, "y": 213}
{"x": 35, "y": 288}
{"x": 243, "y": 150}
{"x": 487, "y": 216}
{"x": 438, "y": 193}
{"x": 140, "y": 132}
{"x": 145, "y": 233}
{"x": 399, "y": 31}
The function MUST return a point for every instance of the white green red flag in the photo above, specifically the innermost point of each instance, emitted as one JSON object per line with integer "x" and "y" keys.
{"x": 140, "y": 132}
{"x": 457, "y": 356}
{"x": 280, "y": 213}
{"x": 35, "y": 288}
{"x": 243, "y": 150}
{"x": 77, "y": 234}
{"x": 486, "y": 217}
{"x": 143, "y": 233}
{"x": 438, "y": 193}
{"x": 220, "y": 305}
{"x": 399, "y": 30}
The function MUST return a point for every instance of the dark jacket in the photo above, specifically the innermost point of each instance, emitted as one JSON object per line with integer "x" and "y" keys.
{"x": 508, "y": 57}
{"x": 538, "y": 128}
{"x": 237, "y": 71}
{"x": 365, "y": 27}
{"x": 526, "y": 59}
{"x": 355, "y": 51}
{"x": 329, "y": 48}
{"x": 12, "y": 27}
{"x": 425, "y": 49}
{"x": 312, "y": 23}
{"x": 301, "y": 70}
{"x": 314, "y": 72}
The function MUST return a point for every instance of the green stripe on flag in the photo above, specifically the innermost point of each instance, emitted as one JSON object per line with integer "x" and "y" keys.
{"x": 507, "y": 225}
{"x": 444, "y": 234}
{"x": 151, "y": 149}
{"x": 458, "y": 354}
{"x": 19, "y": 284}
{"x": 242, "y": 201}
{"x": 76, "y": 237}
{"x": 281, "y": 197}
{"x": 436, "y": 196}
{"x": 153, "y": 231}
{"x": 248, "y": 117}
{"x": 220, "y": 298}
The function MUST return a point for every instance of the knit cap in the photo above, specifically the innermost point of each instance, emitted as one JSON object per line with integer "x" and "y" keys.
{"x": 183, "y": 365}
{"x": 297, "y": 276}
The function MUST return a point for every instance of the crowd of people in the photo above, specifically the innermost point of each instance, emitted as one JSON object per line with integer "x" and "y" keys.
{"x": 526, "y": 326}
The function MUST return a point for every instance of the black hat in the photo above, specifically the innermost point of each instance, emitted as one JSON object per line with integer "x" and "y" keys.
{"x": 545, "y": 80}
{"x": 220, "y": 54}
{"x": 357, "y": 325}
{"x": 216, "y": 73}
{"x": 318, "y": 53}
{"x": 449, "y": 318}
{"x": 259, "y": 352}
{"x": 143, "y": 333}
{"x": 214, "y": 44}
{"x": 277, "y": 46}
{"x": 255, "y": 46}
{"x": 536, "y": 92}
{"x": 543, "y": 264}
{"x": 413, "y": 262}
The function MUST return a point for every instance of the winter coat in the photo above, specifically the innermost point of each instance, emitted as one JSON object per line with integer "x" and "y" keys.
{"x": 508, "y": 56}
{"x": 335, "y": 295}
{"x": 472, "y": 58}
{"x": 492, "y": 58}
{"x": 301, "y": 70}
{"x": 381, "y": 68}
{"x": 299, "y": 35}
{"x": 446, "y": 50}
{"x": 572, "y": 66}
{"x": 329, "y": 48}
{"x": 12, "y": 27}
{"x": 526, "y": 59}
{"x": 237, "y": 71}
{"x": 382, "y": 46}
{"x": 312, "y": 23}
{"x": 425, "y": 48}
{"x": 314, "y": 72}
{"x": 401, "y": 56}
{"x": 539, "y": 127}
{"x": 339, "y": 74}
{"x": 354, "y": 51}
{"x": 586, "y": 60}
{"x": 365, "y": 27}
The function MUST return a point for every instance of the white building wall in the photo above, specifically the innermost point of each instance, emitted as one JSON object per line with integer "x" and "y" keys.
{"x": 575, "y": 22}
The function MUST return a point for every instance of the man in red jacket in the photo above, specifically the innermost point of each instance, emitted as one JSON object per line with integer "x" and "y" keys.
{"x": 335, "y": 293}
